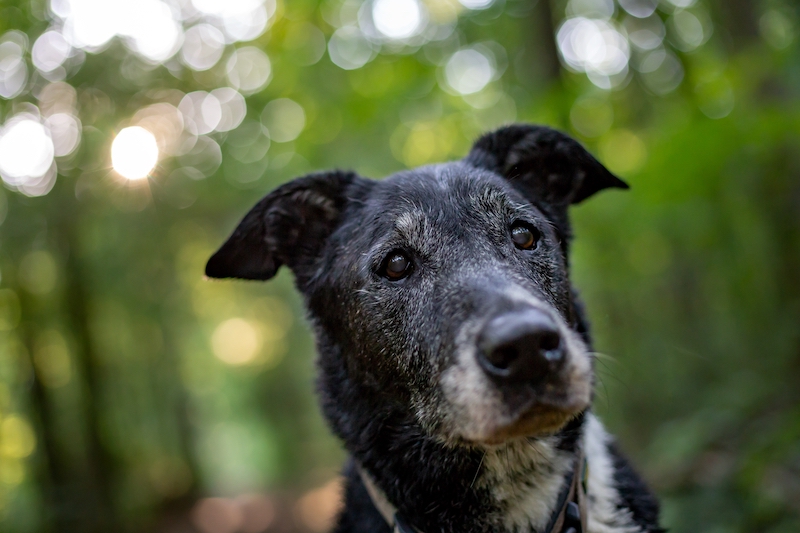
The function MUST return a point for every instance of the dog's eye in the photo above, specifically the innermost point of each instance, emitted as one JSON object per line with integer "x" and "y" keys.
{"x": 524, "y": 237}
{"x": 397, "y": 266}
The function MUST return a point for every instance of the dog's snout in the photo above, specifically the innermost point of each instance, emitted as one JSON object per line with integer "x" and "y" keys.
{"x": 521, "y": 347}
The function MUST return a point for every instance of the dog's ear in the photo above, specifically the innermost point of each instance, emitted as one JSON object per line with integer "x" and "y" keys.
{"x": 288, "y": 226}
{"x": 544, "y": 163}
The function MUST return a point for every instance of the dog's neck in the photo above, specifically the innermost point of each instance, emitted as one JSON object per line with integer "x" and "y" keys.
{"x": 521, "y": 492}
{"x": 525, "y": 478}
{"x": 514, "y": 487}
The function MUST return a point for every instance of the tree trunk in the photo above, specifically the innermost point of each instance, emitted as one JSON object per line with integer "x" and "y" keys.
{"x": 740, "y": 19}
{"x": 99, "y": 460}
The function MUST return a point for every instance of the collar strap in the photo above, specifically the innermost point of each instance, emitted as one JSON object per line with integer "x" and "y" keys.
{"x": 568, "y": 517}
{"x": 570, "y": 513}
{"x": 384, "y": 506}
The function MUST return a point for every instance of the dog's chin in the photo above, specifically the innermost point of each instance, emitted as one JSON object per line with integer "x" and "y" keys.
{"x": 538, "y": 420}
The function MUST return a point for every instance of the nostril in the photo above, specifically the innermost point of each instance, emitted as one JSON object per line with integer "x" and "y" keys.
{"x": 503, "y": 357}
{"x": 550, "y": 345}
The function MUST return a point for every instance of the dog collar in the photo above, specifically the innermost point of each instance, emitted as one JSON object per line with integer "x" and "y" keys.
{"x": 568, "y": 517}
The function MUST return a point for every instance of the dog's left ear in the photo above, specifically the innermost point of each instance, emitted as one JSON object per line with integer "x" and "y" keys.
{"x": 288, "y": 226}
{"x": 544, "y": 163}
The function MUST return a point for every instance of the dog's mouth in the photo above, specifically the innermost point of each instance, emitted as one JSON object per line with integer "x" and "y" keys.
{"x": 538, "y": 419}
{"x": 529, "y": 415}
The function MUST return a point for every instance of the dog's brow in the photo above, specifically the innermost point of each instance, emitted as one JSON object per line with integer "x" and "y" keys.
{"x": 409, "y": 220}
{"x": 494, "y": 201}
{"x": 411, "y": 224}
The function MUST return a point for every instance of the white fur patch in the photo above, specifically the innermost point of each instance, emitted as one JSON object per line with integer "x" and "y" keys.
{"x": 526, "y": 477}
{"x": 602, "y": 496}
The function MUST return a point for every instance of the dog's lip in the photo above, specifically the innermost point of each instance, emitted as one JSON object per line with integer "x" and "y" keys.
{"x": 538, "y": 419}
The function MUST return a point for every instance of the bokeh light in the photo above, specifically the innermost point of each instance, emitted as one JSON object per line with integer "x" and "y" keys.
{"x": 596, "y": 47}
{"x": 317, "y": 509}
{"x": 13, "y": 69}
{"x": 476, "y": 4}
{"x": 591, "y": 116}
{"x": 349, "y": 48}
{"x": 623, "y": 151}
{"x": 65, "y": 130}
{"x": 682, "y": 3}
{"x": 202, "y": 154}
{"x": 134, "y": 153}
{"x": 50, "y": 51}
{"x": 249, "y": 142}
{"x": 715, "y": 97}
{"x": 38, "y": 272}
{"x": 154, "y": 29}
{"x": 469, "y": 70}
{"x": 691, "y": 29}
{"x": 233, "y": 108}
{"x": 639, "y": 8}
{"x": 397, "y": 19}
{"x": 776, "y": 28}
{"x": 305, "y": 42}
{"x": 284, "y": 119}
{"x": 242, "y": 20}
{"x": 249, "y": 513}
{"x": 201, "y": 112}
{"x": 151, "y": 29}
{"x": 249, "y": 69}
{"x": 217, "y": 515}
{"x": 26, "y": 156}
{"x": 647, "y": 33}
{"x": 17, "y": 439}
{"x": 203, "y": 45}
{"x": 58, "y": 97}
{"x": 165, "y": 122}
{"x": 89, "y": 23}
{"x": 661, "y": 71}
{"x": 236, "y": 342}
{"x": 147, "y": 26}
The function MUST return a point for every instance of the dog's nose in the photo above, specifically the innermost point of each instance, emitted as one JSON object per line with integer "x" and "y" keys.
{"x": 521, "y": 347}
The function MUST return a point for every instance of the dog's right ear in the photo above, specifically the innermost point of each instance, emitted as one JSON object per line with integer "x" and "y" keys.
{"x": 546, "y": 164}
{"x": 288, "y": 226}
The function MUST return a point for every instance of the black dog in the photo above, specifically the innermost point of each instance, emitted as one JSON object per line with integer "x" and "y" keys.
{"x": 454, "y": 356}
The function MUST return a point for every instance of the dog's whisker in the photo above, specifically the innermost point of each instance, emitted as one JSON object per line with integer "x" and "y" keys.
{"x": 603, "y": 355}
{"x": 610, "y": 372}
{"x": 478, "y": 470}
{"x": 605, "y": 395}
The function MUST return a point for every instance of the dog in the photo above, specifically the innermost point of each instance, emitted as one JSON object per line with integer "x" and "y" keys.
{"x": 454, "y": 354}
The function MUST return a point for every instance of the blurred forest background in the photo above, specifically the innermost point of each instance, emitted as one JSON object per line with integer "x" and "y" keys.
{"x": 137, "y": 396}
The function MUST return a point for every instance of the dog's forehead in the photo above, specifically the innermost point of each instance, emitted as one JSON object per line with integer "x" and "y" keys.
{"x": 442, "y": 191}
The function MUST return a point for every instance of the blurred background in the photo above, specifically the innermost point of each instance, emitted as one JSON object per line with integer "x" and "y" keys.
{"x": 137, "y": 396}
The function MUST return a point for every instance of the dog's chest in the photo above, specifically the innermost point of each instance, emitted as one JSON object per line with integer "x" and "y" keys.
{"x": 526, "y": 477}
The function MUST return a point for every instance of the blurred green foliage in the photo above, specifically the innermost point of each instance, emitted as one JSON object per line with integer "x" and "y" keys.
{"x": 130, "y": 386}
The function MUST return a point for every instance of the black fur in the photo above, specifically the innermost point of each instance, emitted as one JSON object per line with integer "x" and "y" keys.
{"x": 397, "y": 377}
{"x": 634, "y": 493}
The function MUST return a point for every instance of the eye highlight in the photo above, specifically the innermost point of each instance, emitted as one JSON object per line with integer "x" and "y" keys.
{"x": 396, "y": 266}
{"x": 524, "y": 237}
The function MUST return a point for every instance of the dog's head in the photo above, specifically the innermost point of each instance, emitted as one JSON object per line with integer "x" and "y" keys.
{"x": 441, "y": 291}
